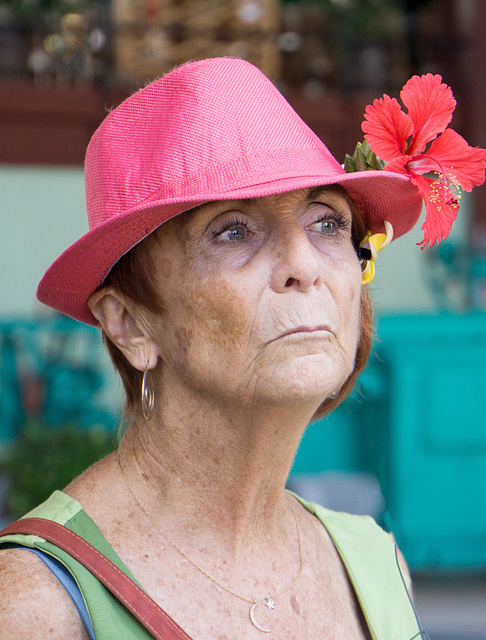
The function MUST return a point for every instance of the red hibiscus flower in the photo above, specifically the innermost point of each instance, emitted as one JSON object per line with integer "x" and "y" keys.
{"x": 402, "y": 140}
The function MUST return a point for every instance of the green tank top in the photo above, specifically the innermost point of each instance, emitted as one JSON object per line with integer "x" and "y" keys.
{"x": 368, "y": 553}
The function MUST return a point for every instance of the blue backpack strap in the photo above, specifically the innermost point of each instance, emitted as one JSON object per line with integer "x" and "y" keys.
{"x": 68, "y": 582}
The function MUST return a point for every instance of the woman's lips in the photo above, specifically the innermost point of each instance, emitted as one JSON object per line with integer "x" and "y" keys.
{"x": 304, "y": 330}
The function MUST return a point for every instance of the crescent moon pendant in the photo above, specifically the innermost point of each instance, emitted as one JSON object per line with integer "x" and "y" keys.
{"x": 254, "y": 622}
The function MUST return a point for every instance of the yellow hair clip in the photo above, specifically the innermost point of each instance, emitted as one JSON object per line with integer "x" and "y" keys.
{"x": 368, "y": 251}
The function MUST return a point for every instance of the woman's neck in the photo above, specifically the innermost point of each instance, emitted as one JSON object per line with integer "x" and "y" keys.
{"x": 220, "y": 468}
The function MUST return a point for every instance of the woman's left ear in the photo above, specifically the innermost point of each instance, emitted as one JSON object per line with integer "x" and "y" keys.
{"x": 123, "y": 324}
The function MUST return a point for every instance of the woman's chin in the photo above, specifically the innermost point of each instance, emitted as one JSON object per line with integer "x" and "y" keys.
{"x": 304, "y": 380}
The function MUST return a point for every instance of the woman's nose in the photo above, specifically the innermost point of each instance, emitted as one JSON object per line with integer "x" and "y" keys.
{"x": 297, "y": 265}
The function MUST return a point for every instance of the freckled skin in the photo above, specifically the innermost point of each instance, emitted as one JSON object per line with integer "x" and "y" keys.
{"x": 165, "y": 266}
{"x": 228, "y": 302}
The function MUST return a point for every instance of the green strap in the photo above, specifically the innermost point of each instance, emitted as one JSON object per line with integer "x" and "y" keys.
{"x": 369, "y": 556}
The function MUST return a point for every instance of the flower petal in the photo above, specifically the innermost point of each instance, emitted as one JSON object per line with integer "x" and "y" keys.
{"x": 430, "y": 105}
{"x": 387, "y": 128}
{"x": 460, "y": 163}
{"x": 441, "y": 207}
{"x": 399, "y": 164}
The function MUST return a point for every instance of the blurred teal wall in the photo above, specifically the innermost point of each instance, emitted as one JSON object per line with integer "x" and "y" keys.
{"x": 42, "y": 211}
{"x": 417, "y": 422}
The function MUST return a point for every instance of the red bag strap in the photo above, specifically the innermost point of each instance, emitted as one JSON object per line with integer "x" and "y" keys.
{"x": 146, "y": 610}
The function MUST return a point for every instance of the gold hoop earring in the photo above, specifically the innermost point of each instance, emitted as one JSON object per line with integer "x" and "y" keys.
{"x": 148, "y": 394}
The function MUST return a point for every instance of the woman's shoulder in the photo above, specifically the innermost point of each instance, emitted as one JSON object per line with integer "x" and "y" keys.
{"x": 33, "y": 604}
{"x": 96, "y": 490}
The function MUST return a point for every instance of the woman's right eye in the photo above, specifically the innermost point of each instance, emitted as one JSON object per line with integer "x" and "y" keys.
{"x": 232, "y": 231}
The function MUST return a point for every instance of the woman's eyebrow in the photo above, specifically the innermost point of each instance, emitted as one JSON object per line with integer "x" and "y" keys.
{"x": 315, "y": 192}
{"x": 190, "y": 213}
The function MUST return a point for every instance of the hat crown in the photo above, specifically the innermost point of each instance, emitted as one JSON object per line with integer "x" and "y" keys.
{"x": 203, "y": 128}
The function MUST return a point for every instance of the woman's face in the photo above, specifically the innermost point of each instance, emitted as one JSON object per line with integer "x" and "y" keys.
{"x": 261, "y": 298}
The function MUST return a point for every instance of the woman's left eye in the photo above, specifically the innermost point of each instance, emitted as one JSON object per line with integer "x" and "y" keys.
{"x": 327, "y": 227}
{"x": 329, "y": 221}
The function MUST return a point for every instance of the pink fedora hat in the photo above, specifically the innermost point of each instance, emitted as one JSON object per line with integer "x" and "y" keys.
{"x": 210, "y": 130}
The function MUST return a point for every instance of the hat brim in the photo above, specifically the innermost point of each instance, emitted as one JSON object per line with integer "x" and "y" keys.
{"x": 70, "y": 281}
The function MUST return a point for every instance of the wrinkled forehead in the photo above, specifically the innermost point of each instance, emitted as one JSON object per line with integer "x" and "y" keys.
{"x": 300, "y": 195}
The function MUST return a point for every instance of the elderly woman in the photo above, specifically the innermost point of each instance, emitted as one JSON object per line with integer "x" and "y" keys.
{"x": 223, "y": 265}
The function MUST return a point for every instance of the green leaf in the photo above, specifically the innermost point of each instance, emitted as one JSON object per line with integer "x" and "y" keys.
{"x": 363, "y": 159}
{"x": 349, "y": 164}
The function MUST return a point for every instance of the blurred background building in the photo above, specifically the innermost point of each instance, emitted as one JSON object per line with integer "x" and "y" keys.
{"x": 409, "y": 446}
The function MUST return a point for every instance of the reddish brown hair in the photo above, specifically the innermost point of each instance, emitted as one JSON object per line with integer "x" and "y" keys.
{"x": 132, "y": 275}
